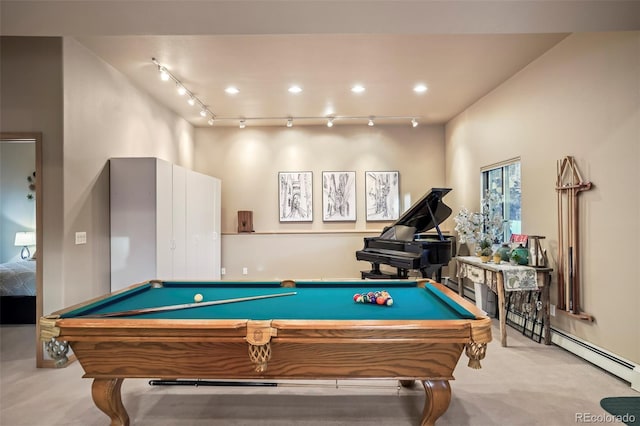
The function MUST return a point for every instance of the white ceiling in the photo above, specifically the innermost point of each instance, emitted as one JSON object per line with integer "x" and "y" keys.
{"x": 460, "y": 49}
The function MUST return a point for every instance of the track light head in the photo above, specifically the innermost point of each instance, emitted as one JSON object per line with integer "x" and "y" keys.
{"x": 243, "y": 124}
{"x": 414, "y": 122}
{"x": 290, "y": 122}
{"x": 164, "y": 75}
{"x": 330, "y": 122}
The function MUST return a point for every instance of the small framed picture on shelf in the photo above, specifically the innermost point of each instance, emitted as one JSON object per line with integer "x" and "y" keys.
{"x": 339, "y": 196}
{"x": 295, "y": 196}
{"x": 382, "y": 195}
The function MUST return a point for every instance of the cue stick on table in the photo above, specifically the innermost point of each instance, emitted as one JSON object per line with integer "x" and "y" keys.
{"x": 187, "y": 305}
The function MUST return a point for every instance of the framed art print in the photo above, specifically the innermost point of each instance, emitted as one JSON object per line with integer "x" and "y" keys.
{"x": 339, "y": 196}
{"x": 382, "y": 195}
{"x": 295, "y": 196}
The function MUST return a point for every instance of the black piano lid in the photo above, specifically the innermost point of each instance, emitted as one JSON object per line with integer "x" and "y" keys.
{"x": 418, "y": 218}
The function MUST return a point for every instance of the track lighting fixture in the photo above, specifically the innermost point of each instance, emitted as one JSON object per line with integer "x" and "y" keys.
{"x": 206, "y": 113}
{"x": 192, "y": 100}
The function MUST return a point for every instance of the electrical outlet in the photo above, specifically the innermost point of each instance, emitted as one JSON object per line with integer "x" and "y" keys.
{"x": 223, "y": 271}
{"x": 81, "y": 238}
{"x": 552, "y": 310}
{"x": 245, "y": 271}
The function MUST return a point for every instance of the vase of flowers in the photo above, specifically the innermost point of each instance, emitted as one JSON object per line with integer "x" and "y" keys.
{"x": 474, "y": 228}
{"x": 468, "y": 226}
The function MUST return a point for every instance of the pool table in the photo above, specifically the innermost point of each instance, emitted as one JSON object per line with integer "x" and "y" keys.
{"x": 314, "y": 331}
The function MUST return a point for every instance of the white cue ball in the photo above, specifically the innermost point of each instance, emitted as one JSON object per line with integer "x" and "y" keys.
{"x": 198, "y": 298}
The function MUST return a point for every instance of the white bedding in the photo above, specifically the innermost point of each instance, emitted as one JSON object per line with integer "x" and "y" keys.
{"x": 18, "y": 278}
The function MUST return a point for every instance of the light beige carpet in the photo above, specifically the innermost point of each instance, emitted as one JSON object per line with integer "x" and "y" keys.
{"x": 524, "y": 384}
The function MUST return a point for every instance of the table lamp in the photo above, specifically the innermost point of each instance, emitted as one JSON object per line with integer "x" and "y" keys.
{"x": 25, "y": 239}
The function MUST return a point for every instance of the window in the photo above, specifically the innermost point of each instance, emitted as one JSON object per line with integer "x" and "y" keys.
{"x": 501, "y": 194}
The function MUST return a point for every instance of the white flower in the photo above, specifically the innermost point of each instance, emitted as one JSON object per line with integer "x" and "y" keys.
{"x": 488, "y": 225}
{"x": 468, "y": 226}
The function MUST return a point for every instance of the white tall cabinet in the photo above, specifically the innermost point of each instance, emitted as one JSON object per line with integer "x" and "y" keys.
{"x": 165, "y": 222}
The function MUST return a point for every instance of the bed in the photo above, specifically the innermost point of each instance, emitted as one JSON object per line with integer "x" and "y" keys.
{"x": 18, "y": 292}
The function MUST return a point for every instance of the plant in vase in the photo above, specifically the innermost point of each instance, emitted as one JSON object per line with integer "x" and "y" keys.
{"x": 485, "y": 251}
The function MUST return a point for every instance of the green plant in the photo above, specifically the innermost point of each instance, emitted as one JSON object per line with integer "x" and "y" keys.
{"x": 485, "y": 243}
{"x": 486, "y": 251}
{"x": 485, "y": 247}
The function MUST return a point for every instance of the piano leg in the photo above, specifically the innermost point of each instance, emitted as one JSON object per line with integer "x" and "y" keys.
{"x": 432, "y": 273}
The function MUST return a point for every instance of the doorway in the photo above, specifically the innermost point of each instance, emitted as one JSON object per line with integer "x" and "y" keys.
{"x": 20, "y": 233}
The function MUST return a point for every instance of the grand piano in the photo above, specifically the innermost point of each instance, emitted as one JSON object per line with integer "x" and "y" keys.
{"x": 407, "y": 246}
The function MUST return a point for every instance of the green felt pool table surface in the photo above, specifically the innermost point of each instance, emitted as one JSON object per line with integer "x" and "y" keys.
{"x": 313, "y": 300}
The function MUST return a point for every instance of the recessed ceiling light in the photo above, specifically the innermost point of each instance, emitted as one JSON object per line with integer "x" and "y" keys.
{"x": 295, "y": 89}
{"x": 232, "y": 90}
{"x": 420, "y": 88}
{"x": 358, "y": 88}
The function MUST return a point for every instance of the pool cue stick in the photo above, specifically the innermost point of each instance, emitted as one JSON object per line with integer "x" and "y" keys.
{"x": 561, "y": 282}
{"x": 187, "y": 306}
{"x": 201, "y": 382}
{"x": 570, "y": 279}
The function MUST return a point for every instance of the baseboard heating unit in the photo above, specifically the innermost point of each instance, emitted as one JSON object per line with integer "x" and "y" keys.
{"x": 602, "y": 358}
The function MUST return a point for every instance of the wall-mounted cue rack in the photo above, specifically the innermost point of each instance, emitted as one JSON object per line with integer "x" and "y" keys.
{"x": 569, "y": 185}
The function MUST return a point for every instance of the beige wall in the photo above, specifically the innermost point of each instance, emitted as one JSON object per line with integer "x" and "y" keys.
{"x": 104, "y": 116}
{"x": 248, "y": 161}
{"x": 31, "y": 101}
{"x": 87, "y": 113}
{"x": 582, "y": 98}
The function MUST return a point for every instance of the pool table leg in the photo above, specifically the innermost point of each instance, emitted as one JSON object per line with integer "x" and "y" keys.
{"x": 106, "y": 396}
{"x": 437, "y": 400}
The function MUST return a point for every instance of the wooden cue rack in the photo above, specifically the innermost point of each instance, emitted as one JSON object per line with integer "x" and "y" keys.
{"x": 569, "y": 185}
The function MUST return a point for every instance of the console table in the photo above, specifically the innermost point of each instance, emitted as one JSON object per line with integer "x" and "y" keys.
{"x": 493, "y": 276}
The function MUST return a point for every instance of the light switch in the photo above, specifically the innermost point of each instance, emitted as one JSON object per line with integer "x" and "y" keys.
{"x": 81, "y": 238}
